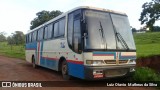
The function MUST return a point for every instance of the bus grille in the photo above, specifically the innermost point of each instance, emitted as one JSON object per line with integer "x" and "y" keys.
{"x": 110, "y": 61}
{"x": 123, "y": 61}
{"x": 114, "y": 61}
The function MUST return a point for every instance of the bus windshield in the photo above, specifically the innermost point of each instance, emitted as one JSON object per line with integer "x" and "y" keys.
{"x": 108, "y": 31}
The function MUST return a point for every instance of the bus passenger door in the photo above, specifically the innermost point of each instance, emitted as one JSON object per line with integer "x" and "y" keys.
{"x": 77, "y": 46}
{"x": 77, "y": 36}
{"x": 75, "y": 43}
{"x": 74, "y": 31}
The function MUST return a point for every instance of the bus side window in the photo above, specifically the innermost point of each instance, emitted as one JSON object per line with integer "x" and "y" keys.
{"x": 30, "y": 37}
{"x": 34, "y": 34}
{"x": 62, "y": 27}
{"x": 46, "y": 32}
{"x": 59, "y": 28}
{"x": 50, "y": 30}
{"x": 35, "y": 37}
{"x": 40, "y": 34}
{"x": 56, "y": 29}
{"x": 26, "y": 38}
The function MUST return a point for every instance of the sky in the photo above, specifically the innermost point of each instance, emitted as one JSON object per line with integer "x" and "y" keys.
{"x": 16, "y": 15}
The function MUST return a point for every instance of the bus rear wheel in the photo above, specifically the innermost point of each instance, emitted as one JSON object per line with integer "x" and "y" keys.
{"x": 33, "y": 62}
{"x": 64, "y": 69}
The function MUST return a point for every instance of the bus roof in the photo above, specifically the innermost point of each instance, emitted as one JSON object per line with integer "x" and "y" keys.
{"x": 96, "y": 8}
{"x": 80, "y": 7}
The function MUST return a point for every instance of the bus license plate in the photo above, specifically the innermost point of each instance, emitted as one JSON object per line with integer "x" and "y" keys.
{"x": 112, "y": 73}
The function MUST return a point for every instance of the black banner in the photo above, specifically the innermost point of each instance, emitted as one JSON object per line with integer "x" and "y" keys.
{"x": 78, "y": 84}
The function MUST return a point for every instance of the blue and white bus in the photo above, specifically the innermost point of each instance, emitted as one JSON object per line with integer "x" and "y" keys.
{"x": 86, "y": 42}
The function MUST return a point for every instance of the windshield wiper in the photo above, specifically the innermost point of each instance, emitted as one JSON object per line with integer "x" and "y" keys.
{"x": 102, "y": 34}
{"x": 120, "y": 38}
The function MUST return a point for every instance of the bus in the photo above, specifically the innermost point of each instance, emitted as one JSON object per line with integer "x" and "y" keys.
{"x": 85, "y": 42}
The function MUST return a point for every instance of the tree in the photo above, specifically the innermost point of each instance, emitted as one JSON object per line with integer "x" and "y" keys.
{"x": 156, "y": 29}
{"x": 10, "y": 40}
{"x": 2, "y": 37}
{"x": 134, "y": 30}
{"x": 17, "y": 38}
{"x": 43, "y": 16}
{"x": 150, "y": 13}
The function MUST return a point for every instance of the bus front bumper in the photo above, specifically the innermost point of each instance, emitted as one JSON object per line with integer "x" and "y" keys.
{"x": 106, "y": 72}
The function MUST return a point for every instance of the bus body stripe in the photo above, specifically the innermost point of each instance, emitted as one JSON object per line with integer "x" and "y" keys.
{"x": 126, "y": 57}
{"x": 103, "y": 54}
{"x": 69, "y": 61}
{"x": 75, "y": 61}
{"x": 47, "y": 58}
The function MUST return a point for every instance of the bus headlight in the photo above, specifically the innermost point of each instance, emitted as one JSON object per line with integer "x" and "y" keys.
{"x": 95, "y": 62}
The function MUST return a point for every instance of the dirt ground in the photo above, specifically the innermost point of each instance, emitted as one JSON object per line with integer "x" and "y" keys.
{"x": 12, "y": 69}
{"x": 151, "y": 62}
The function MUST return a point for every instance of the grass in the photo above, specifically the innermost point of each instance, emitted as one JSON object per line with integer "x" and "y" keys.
{"x": 15, "y": 51}
{"x": 147, "y": 44}
{"x": 146, "y": 74}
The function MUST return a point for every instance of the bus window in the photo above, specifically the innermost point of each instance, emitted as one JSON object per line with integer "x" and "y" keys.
{"x": 50, "y": 29}
{"x": 30, "y": 37}
{"x": 56, "y": 29}
{"x": 46, "y": 32}
{"x": 61, "y": 27}
{"x": 40, "y": 34}
{"x": 27, "y": 38}
{"x": 34, "y": 36}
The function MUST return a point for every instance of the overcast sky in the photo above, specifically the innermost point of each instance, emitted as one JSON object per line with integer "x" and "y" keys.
{"x": 15, "y": 15}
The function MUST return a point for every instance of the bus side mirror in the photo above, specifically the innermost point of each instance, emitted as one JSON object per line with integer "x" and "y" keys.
{"x": 85, "y": 35}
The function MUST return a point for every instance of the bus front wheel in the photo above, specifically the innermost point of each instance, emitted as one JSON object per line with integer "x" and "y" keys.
{"x": 64, "y": 69}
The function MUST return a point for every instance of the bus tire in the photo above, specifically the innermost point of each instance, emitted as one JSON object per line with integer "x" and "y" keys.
{"x": 33, "y": 62}
{"x": 64, "y": 70}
